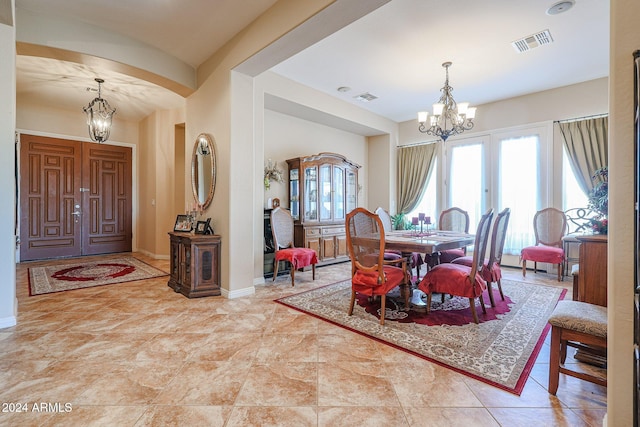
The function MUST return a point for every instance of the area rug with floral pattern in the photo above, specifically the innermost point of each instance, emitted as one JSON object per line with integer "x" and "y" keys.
{"x": 500, "y": 350}
{"x": 79, "y": 274}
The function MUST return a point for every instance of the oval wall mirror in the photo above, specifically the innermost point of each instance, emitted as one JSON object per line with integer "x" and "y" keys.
{"x": 203, "y": 170}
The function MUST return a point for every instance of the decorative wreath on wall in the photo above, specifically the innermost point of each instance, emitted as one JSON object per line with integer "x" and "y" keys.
{"x": 272, "y": 173}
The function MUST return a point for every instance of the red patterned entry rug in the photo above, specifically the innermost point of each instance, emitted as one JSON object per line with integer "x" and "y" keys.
{"x": 57, "y": 278}
{"x": 500, "y": 351}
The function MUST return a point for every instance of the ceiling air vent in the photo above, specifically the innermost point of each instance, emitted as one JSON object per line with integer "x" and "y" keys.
{"x": 365, "y": 97}
{"x": 532, "y": 41}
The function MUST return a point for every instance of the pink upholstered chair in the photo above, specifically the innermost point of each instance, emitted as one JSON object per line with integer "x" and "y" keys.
{"x": 415, "y": 257}
{"x": 282, "y": 229}
{"x": 452, "y": 219}
{"x": 549, "y": 226}
{"x": 371, "y": 274}
{"x": 458, "y": 279}
{"x": 491, "y": 271}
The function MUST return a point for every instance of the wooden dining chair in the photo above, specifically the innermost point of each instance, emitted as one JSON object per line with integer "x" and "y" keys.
{"x": 549, "y": 226}
{"x": 452, "y": 219}
{"x": 282, "y": 230}
{"x": 491, "y": 271}
{"x": 461, "y": 280}
{"x": 415, "y": 258}
{"x": 371, "y": 274}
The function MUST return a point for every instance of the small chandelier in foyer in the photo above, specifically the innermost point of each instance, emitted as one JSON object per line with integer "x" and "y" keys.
{"x": 99, "y": 115}
{"x": 449, "y": 118}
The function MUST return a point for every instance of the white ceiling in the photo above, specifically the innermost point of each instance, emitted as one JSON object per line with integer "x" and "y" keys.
{"x": 394, "y": 53}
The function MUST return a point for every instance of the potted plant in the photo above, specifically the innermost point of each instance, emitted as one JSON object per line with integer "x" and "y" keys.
{"x": 399, "y": 222}
{"x": 599, "y": 200}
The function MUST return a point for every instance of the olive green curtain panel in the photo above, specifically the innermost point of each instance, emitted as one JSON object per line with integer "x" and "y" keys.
{"x": 414, "y": 166}
{"x": 586, "y": 142}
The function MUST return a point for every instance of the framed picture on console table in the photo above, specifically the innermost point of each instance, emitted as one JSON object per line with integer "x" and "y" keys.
{"x": 183, "y": 223}
{"x": 202, "y": 227}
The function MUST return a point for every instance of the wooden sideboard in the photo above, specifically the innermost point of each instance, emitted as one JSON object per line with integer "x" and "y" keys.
{"x": 194, "y": 264}
{"x": 592, "y": 278}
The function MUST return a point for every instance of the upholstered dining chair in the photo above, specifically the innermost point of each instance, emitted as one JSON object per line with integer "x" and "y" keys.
{"x": 452, "y": 219}
{"x": 491, "y": 271}
{"x": 415, "y": 258}
{"x": 282, "y": 230}
{"x": 371, "y": 274}
{"x": 549, "y": 226}
{"x": 458, "y": 279}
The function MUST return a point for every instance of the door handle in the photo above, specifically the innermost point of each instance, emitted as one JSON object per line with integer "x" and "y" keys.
{"x": 76, "y": 213}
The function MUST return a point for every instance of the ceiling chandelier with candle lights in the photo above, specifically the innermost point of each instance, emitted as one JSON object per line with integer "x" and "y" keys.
{"x": 99, "y": 116}
{"x": 449, "y": 118}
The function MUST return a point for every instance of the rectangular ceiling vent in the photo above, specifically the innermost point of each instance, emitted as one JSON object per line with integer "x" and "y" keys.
{"x": 365, "y": 97}
{"x": 532, "y": 41}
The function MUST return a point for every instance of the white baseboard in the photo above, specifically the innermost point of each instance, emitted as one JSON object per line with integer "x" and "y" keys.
{"x": 7, "y": 322}
{"x": 258, "y": 281}
{"x": 239, "y": 293}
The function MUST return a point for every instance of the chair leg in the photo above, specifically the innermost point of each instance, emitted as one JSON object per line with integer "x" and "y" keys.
{"x": 405, "y": 292}
{"x": 383, "y": 303}
{"x": 560, "y": 273}
{"x": 500, "y": 289}
{"x": 353, "y": 301}
{"x": 490, "y": 291}
{"x": 293, "y": 275}
{"x": 275, "y": 269}
{"x": 524, "y": 268}
{"x": 472, "y": 305}
{"x": 313, "y": 271}
{"x": 535, "y": 267}
{"x": 554, "y": 360}
{"x": 563, "y": 350}
{"x": 428, "y": 302}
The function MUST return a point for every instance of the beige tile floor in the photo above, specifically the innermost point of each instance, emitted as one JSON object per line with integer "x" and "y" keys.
{"x": 138, "y": 354}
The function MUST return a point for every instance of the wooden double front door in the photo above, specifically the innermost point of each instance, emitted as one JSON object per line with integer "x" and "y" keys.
{"x": 75, "y": 198}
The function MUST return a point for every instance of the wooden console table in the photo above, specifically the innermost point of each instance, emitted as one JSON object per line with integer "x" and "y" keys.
{"x": 194, "y": 264}
{"x": 592, "y": 277}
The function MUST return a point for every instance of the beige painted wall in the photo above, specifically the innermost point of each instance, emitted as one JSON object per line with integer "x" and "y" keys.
{"x": 147, "y": 189}
{"x": 68, "y": 124}
{"x": 567, "y": 102}
{"x": 8, "y": 301}
{"x": 287, "y": 137}
{"x": 382, "y": 166}
{"x": 625, "y": 38}
{"x": 158, "y": 205}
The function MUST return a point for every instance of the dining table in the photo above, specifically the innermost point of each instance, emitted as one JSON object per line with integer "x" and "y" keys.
{"x": 428, "y": 242}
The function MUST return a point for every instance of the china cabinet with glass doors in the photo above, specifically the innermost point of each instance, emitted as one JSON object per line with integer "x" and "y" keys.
{"x": 323, "y": 188}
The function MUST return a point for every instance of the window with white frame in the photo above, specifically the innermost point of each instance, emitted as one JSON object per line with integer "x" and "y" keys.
{"x": 508, "y": 168}
{"x": 519, "y": 188}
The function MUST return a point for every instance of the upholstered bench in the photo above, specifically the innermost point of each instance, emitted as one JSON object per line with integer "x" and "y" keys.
{"x": 576, "y": 324}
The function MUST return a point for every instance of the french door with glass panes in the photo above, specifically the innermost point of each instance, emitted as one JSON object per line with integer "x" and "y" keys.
{"x": 508, "y": 169}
